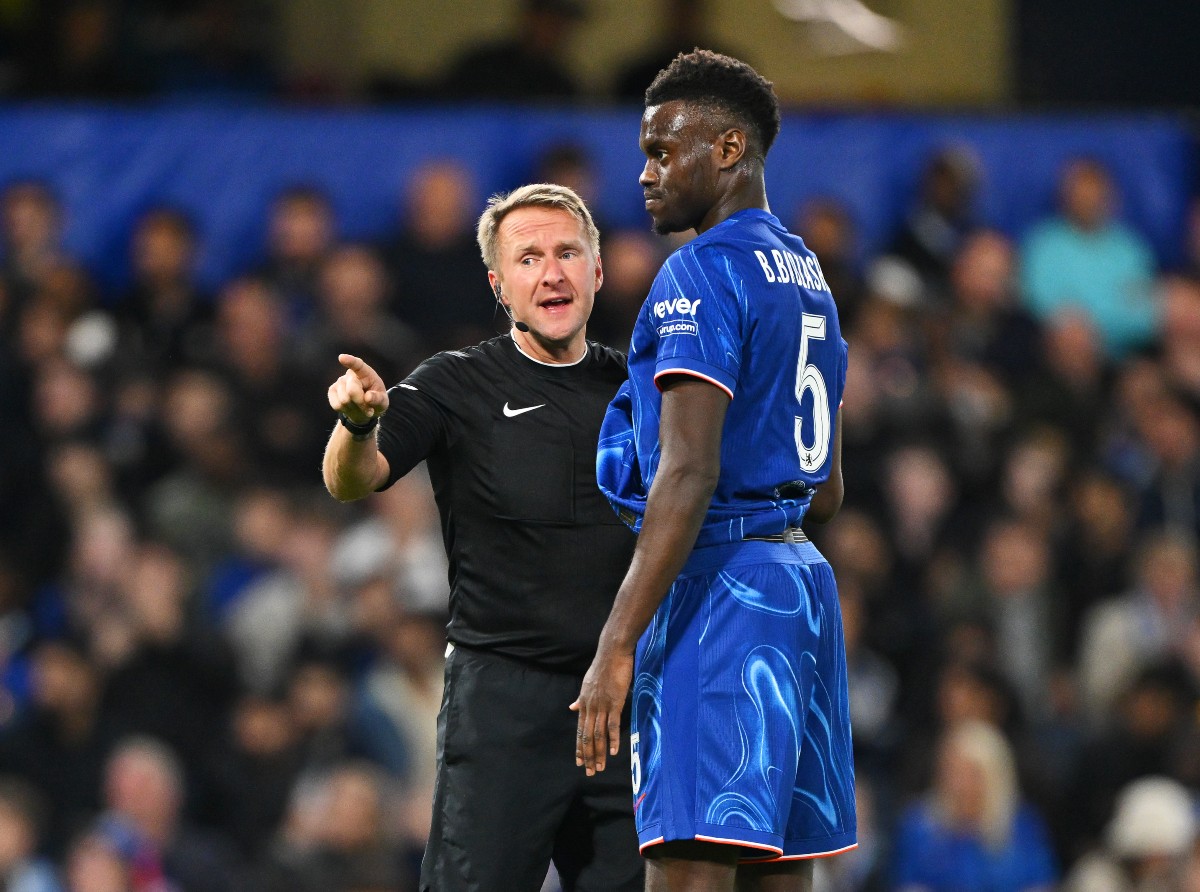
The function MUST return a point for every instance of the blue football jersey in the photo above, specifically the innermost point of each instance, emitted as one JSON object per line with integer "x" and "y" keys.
{"x": 746, "y": 307}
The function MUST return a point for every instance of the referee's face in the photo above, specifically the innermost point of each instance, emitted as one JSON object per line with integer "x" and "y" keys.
{"x": 548, "y": 277}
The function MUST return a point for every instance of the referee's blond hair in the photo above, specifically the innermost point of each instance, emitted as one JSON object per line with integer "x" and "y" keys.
{"x": 541, "y": 195}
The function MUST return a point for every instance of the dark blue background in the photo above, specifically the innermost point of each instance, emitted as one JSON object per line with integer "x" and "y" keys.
{"x": 223, "y": 165}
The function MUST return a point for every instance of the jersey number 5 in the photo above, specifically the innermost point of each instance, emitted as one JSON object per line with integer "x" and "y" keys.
{"x": 808, "y": 377}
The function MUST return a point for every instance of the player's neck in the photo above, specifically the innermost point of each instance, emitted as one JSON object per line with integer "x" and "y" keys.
{"x": 749, "y": 194}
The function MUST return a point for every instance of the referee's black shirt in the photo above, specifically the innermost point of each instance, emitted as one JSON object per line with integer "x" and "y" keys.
{"x": 536, "y": 553}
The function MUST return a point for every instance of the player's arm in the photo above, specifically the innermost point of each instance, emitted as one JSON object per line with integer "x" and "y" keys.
{"x": 692, "y": 419}
{"x": 828, "y": 499}
{"x": 354, "y": 468}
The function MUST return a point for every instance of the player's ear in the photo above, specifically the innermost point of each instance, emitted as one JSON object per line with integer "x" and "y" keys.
{"x": 730, "y": 147}
{"x": 599, "y": 273}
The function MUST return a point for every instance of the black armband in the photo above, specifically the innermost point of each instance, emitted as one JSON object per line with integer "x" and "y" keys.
{"x": 359, "y": 431}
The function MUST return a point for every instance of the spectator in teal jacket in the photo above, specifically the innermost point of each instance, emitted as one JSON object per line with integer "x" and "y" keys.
{"x": 1086, "y": 261}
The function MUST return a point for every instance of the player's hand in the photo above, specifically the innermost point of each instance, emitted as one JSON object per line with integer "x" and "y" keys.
{"x": 601, "y": 699}
{"x": 360, "y": 393}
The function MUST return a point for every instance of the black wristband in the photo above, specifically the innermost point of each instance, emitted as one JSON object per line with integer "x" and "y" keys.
{"x": 359, "y": 431}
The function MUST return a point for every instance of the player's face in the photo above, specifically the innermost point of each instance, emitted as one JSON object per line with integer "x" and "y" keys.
{"x": 680, "y": 178}
{"x": 548, "y": 276}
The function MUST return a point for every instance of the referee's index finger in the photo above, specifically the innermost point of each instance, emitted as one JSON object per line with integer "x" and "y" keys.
{"x": 351, "y": 362}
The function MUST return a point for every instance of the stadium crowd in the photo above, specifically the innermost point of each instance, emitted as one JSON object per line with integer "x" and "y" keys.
{"x": 217, "y": 678}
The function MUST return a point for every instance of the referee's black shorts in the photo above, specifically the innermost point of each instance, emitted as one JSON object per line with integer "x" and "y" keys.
{"x": 509, "y": 797}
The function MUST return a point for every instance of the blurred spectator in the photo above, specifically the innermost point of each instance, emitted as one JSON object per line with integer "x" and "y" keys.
{"x": 33, "y": 529}
{"x": 84, "y": 599}
{"x": 400, "y": 542}
{"x": 82, "y": 477}
{"x": 60, "y": 742}
{"x": 966, "y": 686}
{"x": 299, "y": 598}
{"x": 1154, "y": 620}
{"x": 1084, "y": 260}
{"x": 874, "y": 687}
{"x": 828, "y": 230}
{"x": 30, "y": 237}
{"x": 352, "y": 317}
{"x": 1144, "y": 737}
{"x": 1013, "y": 596}
{"x": 68, "y": 402}
{"x": 358, "y": 845}
{"x": 890, "y": 342}
{"x": 94, "y": 864}
{"x": 262, "y": 524}
{"x": 973, "y": 831}
{"x": 1147, "y": 842}
{"x": 406, "y": 686}
{"x": 569, "y": 164}
{"x": 21, "y": 812}
{"x": 631, "y": 261}
{"x": 254, "y": 772}
{"x": 335, "y": 722}
{"x": 144, "y": 792}
{"x": 164, "y": 317}
{"x": 681, "y": 30}
{"x": 300, "y": 235}
{"x": 1033, "y": 479}
{"x": 942, "y": 216}
{"x": 190, "y": 507}
{"x": 339, "y": 836}
{"x": 1171, "y": 496}
{"x": 441, "y": 284}
{"x": 1092, "y": 559}
{"x": 985, "y": 323}
{"x": 858, "y": 548}
{"x": 532, "y": 64}
{"x": 135, "y": 438}
{"x": 921, "y": 510}
{"x": 275, "y": 402}
{"x": 1181, "y": 332}
{"x": 1140, "y": 386}
{"x": 866, "y": 434}
{"x": 1072, "y": 391}
{"x": 175, "y": 679}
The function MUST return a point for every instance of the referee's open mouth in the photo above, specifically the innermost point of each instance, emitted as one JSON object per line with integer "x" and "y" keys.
{"x": 556, "y": 303}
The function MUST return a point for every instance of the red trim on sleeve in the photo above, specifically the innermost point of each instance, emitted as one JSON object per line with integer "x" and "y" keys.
{"x": 694, "y": 374}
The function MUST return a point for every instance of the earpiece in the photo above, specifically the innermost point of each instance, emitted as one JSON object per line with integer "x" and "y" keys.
{"x": 518, "y": 325}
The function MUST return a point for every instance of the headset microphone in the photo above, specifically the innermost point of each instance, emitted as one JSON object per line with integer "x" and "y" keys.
{"x": 517, "y": 324}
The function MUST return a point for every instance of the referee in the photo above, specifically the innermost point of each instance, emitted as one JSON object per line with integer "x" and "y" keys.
{"x": 509, "y": 431}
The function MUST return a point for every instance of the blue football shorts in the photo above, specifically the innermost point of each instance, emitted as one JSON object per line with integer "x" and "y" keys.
{"x": 741, "y": 721}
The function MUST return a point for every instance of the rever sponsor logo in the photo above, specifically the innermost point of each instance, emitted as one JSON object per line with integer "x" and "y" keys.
{"x": 677, "y": 307}
{"x": 680, "y": 305}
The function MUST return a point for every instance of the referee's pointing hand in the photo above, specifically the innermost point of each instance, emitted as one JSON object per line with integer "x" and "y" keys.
{"x": 360, "y": 393}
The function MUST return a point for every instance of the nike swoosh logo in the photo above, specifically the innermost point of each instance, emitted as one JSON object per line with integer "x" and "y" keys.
{"x": 513, "y": 413}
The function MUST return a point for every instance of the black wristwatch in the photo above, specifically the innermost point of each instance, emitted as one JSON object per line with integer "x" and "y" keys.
{"x": 359, "y": 431}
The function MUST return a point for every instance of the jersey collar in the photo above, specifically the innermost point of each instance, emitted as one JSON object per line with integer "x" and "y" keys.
{"x": 550, "y": 365}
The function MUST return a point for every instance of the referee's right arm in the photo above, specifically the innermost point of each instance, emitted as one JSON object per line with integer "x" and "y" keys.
{"x": 353, "y": 466}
